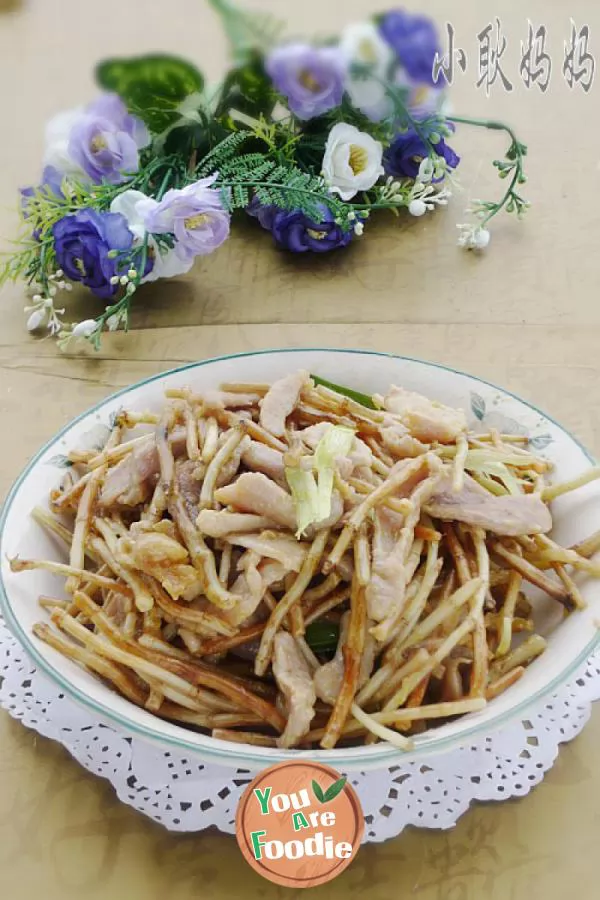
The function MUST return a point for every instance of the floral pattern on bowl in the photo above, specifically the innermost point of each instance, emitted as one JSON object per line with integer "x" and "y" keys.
{"x": 485, "y": 419}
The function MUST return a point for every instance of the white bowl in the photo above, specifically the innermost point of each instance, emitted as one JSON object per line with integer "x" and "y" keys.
{"x": 576, "y": 515}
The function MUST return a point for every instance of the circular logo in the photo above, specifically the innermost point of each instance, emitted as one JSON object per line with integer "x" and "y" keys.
{"x": 299, "y": 824}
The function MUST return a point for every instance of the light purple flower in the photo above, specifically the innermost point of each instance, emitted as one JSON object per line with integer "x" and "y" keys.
{"x": 311, "y": 78}
{"x": 105, "y": 140}
{"x": 194, "y": 214}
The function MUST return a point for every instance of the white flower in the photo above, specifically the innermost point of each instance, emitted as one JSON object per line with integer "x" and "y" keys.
{"x": 85, "y": 328}
{"x": 36, "y": 319}
{"x": 417, "y": 208}
{"x": 473, "y": 237}
{"x": 56, "y": 153}
{"x": 135, "y": 206}
{"x": 352, "y": 161}
{"x": 362, "y": 45}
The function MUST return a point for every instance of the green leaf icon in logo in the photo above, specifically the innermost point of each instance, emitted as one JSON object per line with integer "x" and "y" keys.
{"x": 334, "y": 789}
{"x": 318, "y": 792}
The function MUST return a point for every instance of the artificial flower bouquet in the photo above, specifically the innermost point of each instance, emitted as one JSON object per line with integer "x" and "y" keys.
{"x": 310, "y": 139}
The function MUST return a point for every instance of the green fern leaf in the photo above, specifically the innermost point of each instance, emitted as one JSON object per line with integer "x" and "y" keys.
{"x": 223, "y": 152}
{"x": 241, "y": 196}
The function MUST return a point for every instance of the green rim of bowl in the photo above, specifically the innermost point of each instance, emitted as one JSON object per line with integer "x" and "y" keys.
{"x": 238, "y": 754}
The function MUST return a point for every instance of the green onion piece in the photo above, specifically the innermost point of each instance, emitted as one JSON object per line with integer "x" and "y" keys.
{"x": 312, "y": 498}
{"x": 363, "y": 399}
{"x": 337, "y": 441}
{"x": 322, "y": 636}
{"x": 305, "y": 495}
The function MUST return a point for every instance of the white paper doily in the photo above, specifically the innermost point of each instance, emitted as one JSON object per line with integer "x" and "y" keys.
{"x": 184, "y": 794}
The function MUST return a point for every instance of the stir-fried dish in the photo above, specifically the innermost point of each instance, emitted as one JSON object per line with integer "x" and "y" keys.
{"x": 298, "y": 565}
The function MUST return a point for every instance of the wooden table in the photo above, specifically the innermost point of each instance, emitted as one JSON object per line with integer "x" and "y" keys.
{"x": 525, "y": 315}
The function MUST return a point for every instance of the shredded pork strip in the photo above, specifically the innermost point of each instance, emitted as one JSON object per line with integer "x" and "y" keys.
{"x": 189, "y": 592}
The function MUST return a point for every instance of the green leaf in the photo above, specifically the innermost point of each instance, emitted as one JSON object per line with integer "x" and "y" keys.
{"x": 322, "y": 636}
{"x": 153, "y": 87}
{"x": 363, "y": 399}
{"x": 247, "y": 89}
{"x": 247, "y": 31}
{"x": 334, "y": 789}
{"x": 318, "y": 792}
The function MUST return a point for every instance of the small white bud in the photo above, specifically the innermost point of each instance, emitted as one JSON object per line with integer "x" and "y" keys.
{"x": 417, "y": 208}
{"x": 52, "y": 291}
{"x": 481, "y": 239}
{"x": 37, "y": 298}
{"x": 359, "y": 229}
{"x": 124, "y": 279}
{"x": 114, "y": 279}
{"x": 85, "y": 328}
{"x": 130, "y": 289}
{"x": 68, "y": 287}
{"x": 112, "y": 323}
{"x": 426, "y": 169}
{"x": 61, "y": 285}
{"x": 132, "y": 274}
{"x": 59, "y": 273}
{"x": 36, "y": 319}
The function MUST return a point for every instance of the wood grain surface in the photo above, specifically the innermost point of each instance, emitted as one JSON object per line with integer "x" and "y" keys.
{"x": 526, "y": 314}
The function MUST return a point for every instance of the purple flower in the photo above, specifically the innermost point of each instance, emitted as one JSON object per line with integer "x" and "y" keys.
{"x": 83, "y": 242}
{"x": 415, "y": 41}
{"x": 311, "y": 78}
{"x": 194, "y": 214}
{"x": 264, "y": 214}
{"x": 408, "y": 150}
{"x": 105, "y": 140}
{"x": 297, "y": 232}
{"x": 422, "y": 99}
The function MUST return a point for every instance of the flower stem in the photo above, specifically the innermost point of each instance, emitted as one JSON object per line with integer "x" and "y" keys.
{"x": 161, "y": 192}
{"x": 516, "y": 152}
{"x": 492, "y": 124}
{"x": 124, "y": 302}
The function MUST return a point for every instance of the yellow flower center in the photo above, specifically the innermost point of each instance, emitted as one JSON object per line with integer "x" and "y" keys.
{"x": 80, "y": 267}
{"x": 195, "y": 221}
{"x": 367, "y": 51}
{"x": 98, "y": 143}
{"x": 316, "y": 235}
{"x": 308, "y": 80}
{"x": 417, "y": 159}
{"x": 420, "y": 95}
{"x": 358, "y": 159}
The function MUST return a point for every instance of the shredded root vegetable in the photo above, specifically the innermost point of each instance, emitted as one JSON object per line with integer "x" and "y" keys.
{"x": 178, "y": 592}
